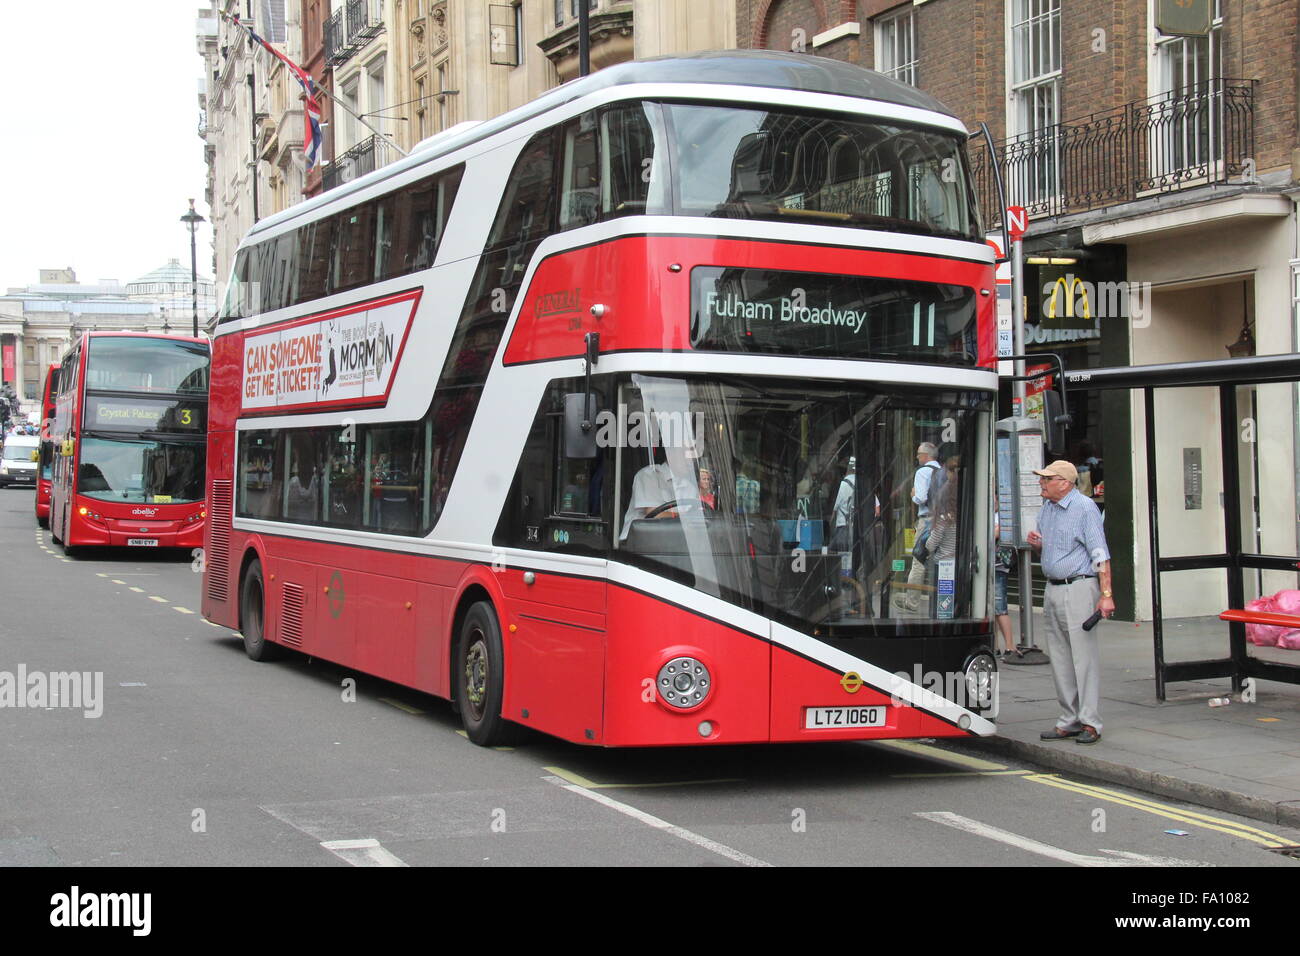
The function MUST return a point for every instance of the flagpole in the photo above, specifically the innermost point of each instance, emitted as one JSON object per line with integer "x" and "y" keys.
{"x": 318, "y": 91}
{"x": 386, "y": 138}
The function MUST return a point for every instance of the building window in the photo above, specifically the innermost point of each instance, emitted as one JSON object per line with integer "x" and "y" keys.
{"x": 1036, "y": 96}
{"x": 504, "y": 33}
{"x": 896, "y": 45}
{"x": 572, "y": 7}
{"x": 443, "y": 115}
{"x": 421, "y": 114}
{"x": 1187, "y": 106}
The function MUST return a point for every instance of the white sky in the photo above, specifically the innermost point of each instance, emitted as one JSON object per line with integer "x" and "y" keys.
{"x": 99, "y": 114}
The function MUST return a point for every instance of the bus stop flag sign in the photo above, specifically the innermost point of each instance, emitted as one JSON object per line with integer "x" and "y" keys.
{"x": 1017, "y": 222}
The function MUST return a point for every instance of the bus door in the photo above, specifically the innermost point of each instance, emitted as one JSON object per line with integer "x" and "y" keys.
{"x": 559, "y": 509}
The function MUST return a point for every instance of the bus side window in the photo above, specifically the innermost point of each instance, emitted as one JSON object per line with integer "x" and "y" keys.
{"x": 353, "y": 248}
{"x": 629, "y": 173}
{"x": 258, "y": 481}
{"x": 314, "y": 259}
{"x": 343, "y": 479}
{"x": 580, "y": 196}
{"x": 396, "y": 477}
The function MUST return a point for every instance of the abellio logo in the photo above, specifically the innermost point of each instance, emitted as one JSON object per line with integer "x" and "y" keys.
{"x": 78, "y": 909}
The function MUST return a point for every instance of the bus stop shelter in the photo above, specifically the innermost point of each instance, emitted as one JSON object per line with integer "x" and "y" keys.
{"x": 1227, "y": 376}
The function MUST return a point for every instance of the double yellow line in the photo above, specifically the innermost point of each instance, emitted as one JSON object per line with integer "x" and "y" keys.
{"x": 1188, "y": 817}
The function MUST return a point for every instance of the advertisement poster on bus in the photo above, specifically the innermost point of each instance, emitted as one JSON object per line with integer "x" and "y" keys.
{"x": 336, "y": 359}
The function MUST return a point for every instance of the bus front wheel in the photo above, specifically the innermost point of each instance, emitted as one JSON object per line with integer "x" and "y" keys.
{"x": 480, "y": 677}
{"x": 252, "y": 616}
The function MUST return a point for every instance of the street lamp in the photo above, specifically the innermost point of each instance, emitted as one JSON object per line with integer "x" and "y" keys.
{"x": 192, "y": 219}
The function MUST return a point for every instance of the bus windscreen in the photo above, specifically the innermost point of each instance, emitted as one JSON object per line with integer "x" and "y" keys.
{"x": 148, "y": 472}
{"x": 128, "y": 364}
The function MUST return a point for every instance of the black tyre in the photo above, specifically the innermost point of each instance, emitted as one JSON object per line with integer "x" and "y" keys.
{"x": 252, "y": 616}
{"x": 480, "y": 677}
{"x": 43, "y": 522}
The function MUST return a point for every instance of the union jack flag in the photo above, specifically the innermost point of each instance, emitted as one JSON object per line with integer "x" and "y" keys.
{"x": 311, "y": 107}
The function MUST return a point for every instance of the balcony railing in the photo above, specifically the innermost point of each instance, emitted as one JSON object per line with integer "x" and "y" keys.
{"x": 1193, "y": 137}
{"x": 365, "y": 157}
{"x": 351, "y": 27}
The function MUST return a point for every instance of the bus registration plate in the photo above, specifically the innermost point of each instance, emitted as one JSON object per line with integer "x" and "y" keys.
{"x": 837, "y": 718}
{"x": 142, "y": 542}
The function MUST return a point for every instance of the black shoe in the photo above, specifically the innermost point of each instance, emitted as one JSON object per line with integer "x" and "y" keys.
{"x": 1089, "y": 735}
{"x": 1056, "y": 733}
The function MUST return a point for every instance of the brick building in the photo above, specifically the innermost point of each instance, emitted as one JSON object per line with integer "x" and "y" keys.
{"x": 1159, "y": 171}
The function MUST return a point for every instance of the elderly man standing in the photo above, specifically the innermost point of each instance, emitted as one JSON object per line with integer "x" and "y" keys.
{"x": 1076, "y": 563}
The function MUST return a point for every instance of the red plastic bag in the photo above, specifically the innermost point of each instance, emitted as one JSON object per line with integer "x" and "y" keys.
{"x": 1288, "y": 602}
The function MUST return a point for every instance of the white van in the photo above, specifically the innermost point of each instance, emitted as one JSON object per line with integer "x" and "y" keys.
{"x": 18, "y": 460}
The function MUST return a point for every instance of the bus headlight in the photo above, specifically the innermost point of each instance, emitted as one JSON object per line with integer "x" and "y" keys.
{"x": 684, "y": 682}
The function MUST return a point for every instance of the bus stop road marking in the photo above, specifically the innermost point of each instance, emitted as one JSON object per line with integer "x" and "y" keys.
{"x": 1115, "y": 857}
{"x": 400, "y": 706}
{"x": 960, "y": 773}
{"x": 183, "y": 610}
{"x": 160, "y": 600}
{"x": 116, "y": 581}
{"x": 586, "y": 784}
{"x": 936, "y": 753}
{"x": 703, "y": 842}
{"x": 367, "y": 852}
{"x": 1189, "y": 817}
{"x": 138, "y": 590}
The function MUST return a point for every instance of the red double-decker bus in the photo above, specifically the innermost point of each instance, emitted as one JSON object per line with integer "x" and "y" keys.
{"x": 129, "y": 441}
{"x": 602, "y": 417}
{"x": 45, "y": 461}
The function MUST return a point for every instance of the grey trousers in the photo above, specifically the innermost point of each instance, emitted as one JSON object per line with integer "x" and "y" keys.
{"x": 1076, "y": 656}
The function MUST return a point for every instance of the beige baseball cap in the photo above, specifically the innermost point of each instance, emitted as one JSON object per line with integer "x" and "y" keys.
{"x": 1059, "y": 469}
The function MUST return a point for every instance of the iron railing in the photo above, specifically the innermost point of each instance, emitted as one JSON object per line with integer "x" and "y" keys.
{"x": 1196, "y": 136}
{"x": 365, "y": 157}
{"x": 351, "y": 27}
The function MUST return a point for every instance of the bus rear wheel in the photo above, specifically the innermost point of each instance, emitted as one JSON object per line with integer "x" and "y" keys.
{"x": 480, "y": 677}
{"x": 252, "y": 616}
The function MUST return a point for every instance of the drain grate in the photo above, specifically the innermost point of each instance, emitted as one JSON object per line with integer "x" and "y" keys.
{"x": 1291, "y": 851}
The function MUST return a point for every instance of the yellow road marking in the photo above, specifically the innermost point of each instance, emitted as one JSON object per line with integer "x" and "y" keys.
{"x": 160, "y": 600}
{"x": 1268, "y": 720}
{"x": 926, "y": 750}
{"x": 1189, "y": 817}
{"x": 183, "y": 610}
{"x": 962, "y": 773}
{"x": 586, "y": 784}
{"x": 400, "y": 706}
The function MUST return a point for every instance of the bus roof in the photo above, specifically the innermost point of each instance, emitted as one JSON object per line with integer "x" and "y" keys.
{"x": 768, "y": 69}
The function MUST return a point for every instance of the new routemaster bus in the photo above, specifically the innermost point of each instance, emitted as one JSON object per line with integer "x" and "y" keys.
{"x": 45, "y": 461}
{"x": 601, "y": 417}
{"x": 129, "y": 441}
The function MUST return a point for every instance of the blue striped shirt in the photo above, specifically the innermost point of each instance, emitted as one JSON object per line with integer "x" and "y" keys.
{"x": 1074, "y": 541}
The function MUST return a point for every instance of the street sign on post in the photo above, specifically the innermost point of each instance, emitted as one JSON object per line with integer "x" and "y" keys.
{"x": 1017, "y": 222}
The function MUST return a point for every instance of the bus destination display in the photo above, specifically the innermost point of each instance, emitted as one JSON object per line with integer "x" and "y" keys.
{"x": 804, "y": 313}
{"x": 122, "y": 414}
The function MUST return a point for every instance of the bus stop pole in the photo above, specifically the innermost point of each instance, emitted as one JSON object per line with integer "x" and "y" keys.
{"x": 1018, "y": 410}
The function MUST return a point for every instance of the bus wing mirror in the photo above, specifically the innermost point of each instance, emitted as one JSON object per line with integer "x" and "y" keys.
{"x": 580, "y": 410}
